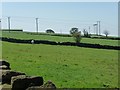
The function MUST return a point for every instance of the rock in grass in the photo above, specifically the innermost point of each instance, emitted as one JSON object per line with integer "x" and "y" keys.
{"x": 3, "y": 62}
{"x": 34, "y": 88}
{"x": 4, "y": 65}
{"x": 106, "y": 85}
{"x": 47, "y": 86}
{"x": 6, "y": 76}
{"x": 22, "y": 82}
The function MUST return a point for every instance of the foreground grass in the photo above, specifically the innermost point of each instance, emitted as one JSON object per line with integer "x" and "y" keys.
{"x": 66, "y": 66}
{"x": 23, "y": 35}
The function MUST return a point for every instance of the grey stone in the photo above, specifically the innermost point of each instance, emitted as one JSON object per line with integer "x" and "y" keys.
{"x": 6, "y": 76}
{"x": 47, "y": 86}
{"x": 4, "y": 64}
{"x": 22, "y": 82}
{"x": 5, "y": 67}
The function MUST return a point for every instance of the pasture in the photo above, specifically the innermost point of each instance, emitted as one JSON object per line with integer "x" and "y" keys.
{"x": 66, "y": 66}
{"x": 24, "y": 35}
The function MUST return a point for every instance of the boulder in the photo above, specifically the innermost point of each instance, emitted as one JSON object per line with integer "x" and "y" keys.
{"x": 35, "y": 88}
{"x": 6, "y": 76}
{"x": 22, "y": 82}
{"x": 47, "y": 86}
{"x": 4, "y": 65}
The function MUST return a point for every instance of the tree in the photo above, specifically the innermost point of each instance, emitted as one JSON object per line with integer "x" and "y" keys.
{"x": 73, "y": 30}
{"x": 106, "y": 33}
{"x": 86, "y": 34}
{"x": 76, "y": 34}
{"x": 49, "y": 31}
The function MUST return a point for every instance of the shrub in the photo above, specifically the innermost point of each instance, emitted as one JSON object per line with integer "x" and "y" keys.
{"x": 76, "y": 34}
{"x": 49, "y": 31}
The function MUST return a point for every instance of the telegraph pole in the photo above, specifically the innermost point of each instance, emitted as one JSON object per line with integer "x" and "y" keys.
{"x": 61, "y": 31}
{"x": 9, "y": 24}
{"x": 89, "y": 29}
{"x": 95, "y": 28}
{"x": 37, "y": 25}
{"x": 99, "y": 28}
{"x": 0, "y": 25}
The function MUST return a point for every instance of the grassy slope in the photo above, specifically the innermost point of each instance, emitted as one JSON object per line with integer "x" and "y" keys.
{"x": 66, "y": 66}
{"x": 21, "y": 35}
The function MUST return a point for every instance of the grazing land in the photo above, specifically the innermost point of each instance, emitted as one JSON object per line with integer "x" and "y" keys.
{"x": 66, "y": 66}
{"x": 24, "y": 35}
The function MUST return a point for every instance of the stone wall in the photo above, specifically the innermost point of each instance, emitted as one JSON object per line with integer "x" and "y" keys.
{"x": 98, "y": 46}
{"x": 21, "y": 81}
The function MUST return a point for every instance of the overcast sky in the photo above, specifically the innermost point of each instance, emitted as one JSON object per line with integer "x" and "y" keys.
{"x": 61, "y": 16}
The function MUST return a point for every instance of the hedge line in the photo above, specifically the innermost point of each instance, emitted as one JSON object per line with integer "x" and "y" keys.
{"x": 111, "y": 38}
{"x": 68, "y": 35}
{"x": 19, "y": 30}
{"x": 98, "y": 46}
{"x": 50, "y": 34}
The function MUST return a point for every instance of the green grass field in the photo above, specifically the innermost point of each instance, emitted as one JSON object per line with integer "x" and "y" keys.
{"x": 66, "y": 66}
{"x": 23, "y": 35}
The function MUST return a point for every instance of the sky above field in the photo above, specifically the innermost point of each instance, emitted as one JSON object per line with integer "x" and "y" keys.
{"x": 61, "y": 16}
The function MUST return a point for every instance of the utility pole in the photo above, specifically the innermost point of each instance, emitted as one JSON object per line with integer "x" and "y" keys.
{"x": 0, "y": 29}
{"x": 89, "y": 29}
{"x": 61, "y": 31}
{"x": 37, "y": 25}
{"x": 99, "y": 28}
{"x": 9, "y": 24}
{"x": 95, "y": 28}
{"x": 0, "y": 25}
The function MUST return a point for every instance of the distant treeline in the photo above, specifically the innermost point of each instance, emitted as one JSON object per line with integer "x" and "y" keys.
{"x": 62, "y": 35}
{"x": 103, "y": 37}
{"x": 69, "y": 35}
{"x": 51, "y": 34}
{"x": 98, "y": 46}
{"x": 11, "y": 30}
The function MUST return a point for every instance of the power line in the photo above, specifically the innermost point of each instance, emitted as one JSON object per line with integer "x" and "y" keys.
{"x": 28, "y": 20}
{"x": 46, "y": 18}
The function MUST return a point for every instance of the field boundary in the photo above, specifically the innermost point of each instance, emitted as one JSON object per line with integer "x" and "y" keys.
{"x": 98, "y": 46}
{"x": 68, "y": 35}
{"x": 12, "y": 30}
